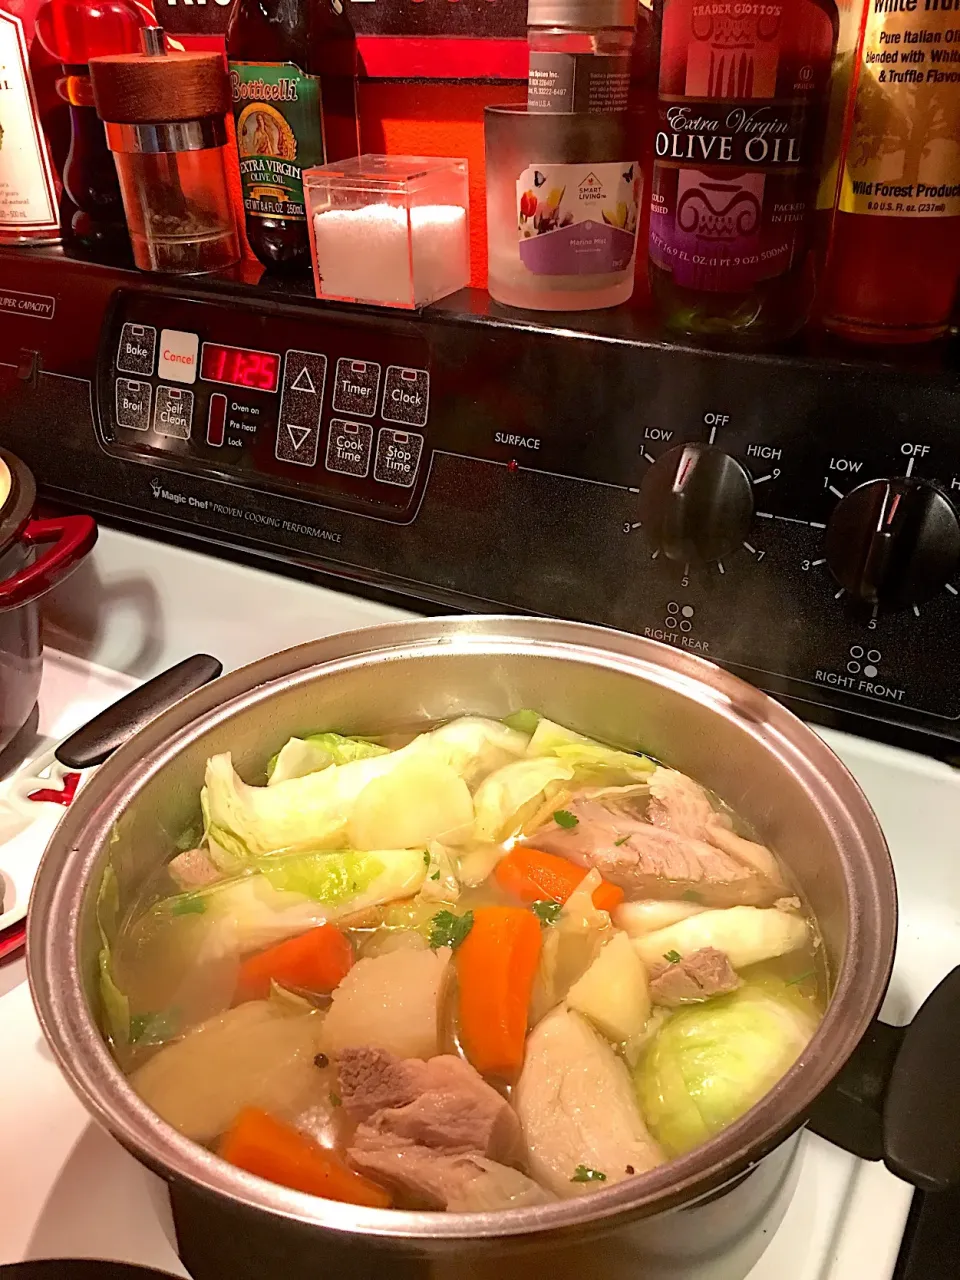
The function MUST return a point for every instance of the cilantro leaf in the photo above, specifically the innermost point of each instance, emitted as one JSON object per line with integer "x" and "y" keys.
{"x": 426, "y": 858}
{"x": 335, "y": 1099}
{"x": 546, "y": 911}
{"x": 564, "y": 818}
{"x": 583, "y": 1173}
{"x": 690, "y": 895}
{"x": 622, "y": 840}
{"x": 672, "y": 957}
{"x": 188, "y": 904}
{"x": 435, "y": 876}
{"x": 449, "y": 930}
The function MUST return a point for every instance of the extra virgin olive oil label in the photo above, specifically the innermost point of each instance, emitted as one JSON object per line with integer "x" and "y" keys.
{"x": 279, "y": 134}
{"x": 744, "y": 89}
{"x": 578, "y": 219}
{"x": 903, "y": 158}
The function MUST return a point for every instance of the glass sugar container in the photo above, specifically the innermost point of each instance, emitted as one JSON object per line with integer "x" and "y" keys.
{"x": 391, "y": 231}
{"x": 165, "y": 120}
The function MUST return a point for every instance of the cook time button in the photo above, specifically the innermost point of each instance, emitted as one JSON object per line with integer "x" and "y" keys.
{"x": 406, "y": 396}
{"x": 133, "y": 404}
{"x": 138, "y": 349}
{"x": 349, "y": 446}
{"x": 398, "y": 457}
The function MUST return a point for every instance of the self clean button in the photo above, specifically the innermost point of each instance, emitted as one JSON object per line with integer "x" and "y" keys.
{"x": 173, "y": 413}
{"x": 178, "y": 356}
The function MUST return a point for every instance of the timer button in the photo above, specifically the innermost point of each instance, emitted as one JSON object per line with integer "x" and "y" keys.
{"x": 178, "y": 356}
{"x": 356, "y": 387}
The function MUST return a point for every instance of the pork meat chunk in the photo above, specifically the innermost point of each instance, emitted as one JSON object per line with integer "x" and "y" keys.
{"x": 437, "y": 1180}
{"x": 577, "y": 1107}
{"x": 707, "y": 972}
{"x": 650, "y": 859}
{"x": 441, "y": 1103}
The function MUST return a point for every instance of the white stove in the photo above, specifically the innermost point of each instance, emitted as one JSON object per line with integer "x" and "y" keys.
{"x": 138, "y": 606}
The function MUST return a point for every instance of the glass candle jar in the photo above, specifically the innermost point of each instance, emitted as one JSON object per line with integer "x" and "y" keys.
{"x": 563, "y": 195}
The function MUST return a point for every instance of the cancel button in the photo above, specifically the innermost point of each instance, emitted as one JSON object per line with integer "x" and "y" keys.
{"x": 516, "y": 442}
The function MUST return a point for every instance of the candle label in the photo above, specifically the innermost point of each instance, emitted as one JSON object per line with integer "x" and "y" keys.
{"x": 581, "y": 82}
{"x": 279, "y": 134}
{"x": 903, "y": 158}
{"x": 27, "y": 197}
{"x": 744, "y": 91}
{"x": 578, "y": 219}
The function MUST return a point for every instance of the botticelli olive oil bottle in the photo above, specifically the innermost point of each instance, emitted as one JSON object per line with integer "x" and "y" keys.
{"x": 894, "y": 258}
{"x": 293, "y": 82}
{"x": 743, "y": 97}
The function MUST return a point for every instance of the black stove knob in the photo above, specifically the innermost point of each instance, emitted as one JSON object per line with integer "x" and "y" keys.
{"x": 893, "y": 543}
{"x": 696, "y": 503}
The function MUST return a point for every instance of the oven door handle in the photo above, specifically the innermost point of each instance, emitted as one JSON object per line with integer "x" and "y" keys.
{"x": 72, "y": 538}
{"x": 897, "y": 1099}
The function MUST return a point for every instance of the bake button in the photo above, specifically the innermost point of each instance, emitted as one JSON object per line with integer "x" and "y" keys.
{"x": 138, "y": 348}
{"x": 349, "y": 446}
{"x": 406, "y": 396}
{"x": 298, "y": 443}
{"x": 398, "y": 456}
{"x": 133, "y": 404}
{"x": 178, "y": 355}
{"x": 173, "y": 413}
{"x": 356, "y": 387}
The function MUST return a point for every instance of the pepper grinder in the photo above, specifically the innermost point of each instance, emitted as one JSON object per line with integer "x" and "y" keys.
{"x": 165, "y": 119}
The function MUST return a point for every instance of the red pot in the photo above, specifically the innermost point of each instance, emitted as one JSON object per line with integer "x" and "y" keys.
{"x": 35, "y": 555}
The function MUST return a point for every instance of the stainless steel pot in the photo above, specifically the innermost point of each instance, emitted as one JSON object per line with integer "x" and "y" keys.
{"x": 34, "y": 556}
{"x": 766, "y": 763}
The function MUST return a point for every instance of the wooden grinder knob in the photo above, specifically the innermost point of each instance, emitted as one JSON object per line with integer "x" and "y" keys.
{"x": 136, "y": 88}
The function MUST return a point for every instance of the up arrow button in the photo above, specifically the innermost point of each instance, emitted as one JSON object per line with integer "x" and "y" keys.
{"x": 303, "y": 382}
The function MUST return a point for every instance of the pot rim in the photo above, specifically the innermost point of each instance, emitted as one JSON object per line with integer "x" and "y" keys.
{"x": 17, "y": 508}
{"x": 54, "y": 922}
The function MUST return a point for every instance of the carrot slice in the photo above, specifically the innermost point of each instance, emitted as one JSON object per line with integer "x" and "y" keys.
{"x": 496, "y": 965}
{"x": 532, "y": 875}
{"x": 276, "y": 1151}
{"x": 317, "y": 960}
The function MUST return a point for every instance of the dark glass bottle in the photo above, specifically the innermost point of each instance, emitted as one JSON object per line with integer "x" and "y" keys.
{"x": 293, "y": 80}
{"x": 744, "y": 91}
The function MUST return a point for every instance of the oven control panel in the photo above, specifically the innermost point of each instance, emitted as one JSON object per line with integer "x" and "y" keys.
{"x": 794, "y": 517}
{"x": 305, "y": 409}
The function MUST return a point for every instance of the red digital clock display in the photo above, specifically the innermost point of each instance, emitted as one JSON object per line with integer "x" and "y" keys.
{"x": 239, "y": 367}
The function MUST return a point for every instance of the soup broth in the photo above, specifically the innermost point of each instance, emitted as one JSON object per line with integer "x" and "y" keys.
{"x": 482, "y": 965}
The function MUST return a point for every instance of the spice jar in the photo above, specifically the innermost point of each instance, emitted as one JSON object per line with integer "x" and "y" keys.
{"x": 580, "y": 54}
{"x": 164, "y": 115}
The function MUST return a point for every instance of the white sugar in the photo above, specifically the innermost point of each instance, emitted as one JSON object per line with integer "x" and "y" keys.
{"x": 363, "y": 254}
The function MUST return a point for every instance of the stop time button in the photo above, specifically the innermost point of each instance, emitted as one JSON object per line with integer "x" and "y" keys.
{"x": 178, "y": 356}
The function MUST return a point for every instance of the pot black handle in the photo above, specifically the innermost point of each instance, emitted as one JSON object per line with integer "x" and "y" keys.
{"x": 101, "y": 736}
{"x": 898, "y": 1097}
